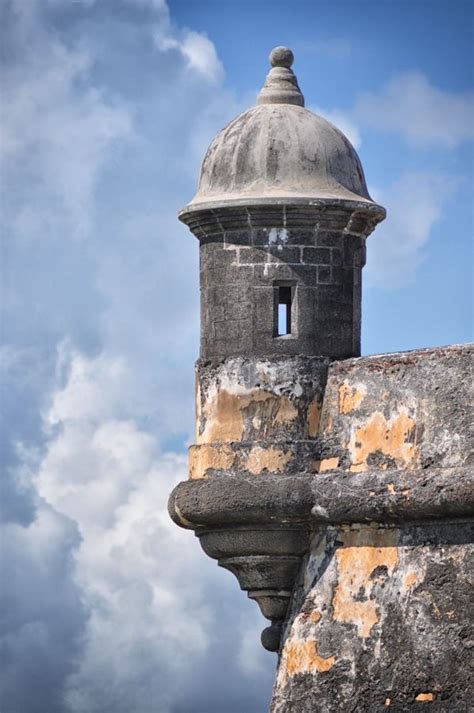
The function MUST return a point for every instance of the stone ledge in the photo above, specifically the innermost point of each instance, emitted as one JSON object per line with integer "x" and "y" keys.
{"x": 359, "y": 217}
{"x": 259, "y": 527}
{"x": 412, "y": 357}
{"x": 391, "y": 496}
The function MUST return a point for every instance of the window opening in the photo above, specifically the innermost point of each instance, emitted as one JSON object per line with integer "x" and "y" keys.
{"x": 284, "y": 310}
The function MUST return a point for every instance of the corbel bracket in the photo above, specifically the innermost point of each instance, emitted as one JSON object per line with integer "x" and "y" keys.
{"x": 260, "y": 529}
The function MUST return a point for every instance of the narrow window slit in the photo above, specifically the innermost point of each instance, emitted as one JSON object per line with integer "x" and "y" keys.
{"x": 284, "y": 310}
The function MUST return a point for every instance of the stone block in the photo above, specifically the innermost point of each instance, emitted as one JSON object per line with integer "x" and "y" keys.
{"x": 238, "y": 274}
{"x": 289, "y": 255}
{"x": 234, "y": 310}
{"x": 317, "y": 256}
{"x": 324, "y": 274}
{"x": 252, "y": 256}
{"x": 213, "y": 238}
{"x": 268, "y": 273}
{"x": 301, "y": 236}
{"x": 329, "y": 239}
{"x": 337, "y": 275}
{"x": 238, "y": 237}
{"x": 214, "y": 255}
{"x": 336, "y": 257}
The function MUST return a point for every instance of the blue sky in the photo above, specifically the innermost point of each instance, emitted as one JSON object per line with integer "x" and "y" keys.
{"x": 107, "y": 109}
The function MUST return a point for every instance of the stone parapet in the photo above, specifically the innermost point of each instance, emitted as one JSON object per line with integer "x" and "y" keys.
{"x": 409, "y": 410}
{"x": 335, "y": 498}
{"x": 390, "y": 448}
{"x": 257, "y": 415}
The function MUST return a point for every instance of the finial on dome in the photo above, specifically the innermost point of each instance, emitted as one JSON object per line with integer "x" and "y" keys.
{"x": 281, "y": 57}
{"x": 281, "y": 85}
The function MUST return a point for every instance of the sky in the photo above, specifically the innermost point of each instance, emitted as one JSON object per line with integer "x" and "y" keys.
{"x": 107, "y": 109}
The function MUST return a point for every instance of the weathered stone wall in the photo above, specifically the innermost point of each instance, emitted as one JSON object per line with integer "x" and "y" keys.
{"x": 257, "y": 415}
{"x": 379, "y": 512}
{"x": 406, "y": 410}
{"x": 381, "y": 616}
{"x": 381, "y": 619}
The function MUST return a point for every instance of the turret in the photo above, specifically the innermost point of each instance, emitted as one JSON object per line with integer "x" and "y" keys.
{"x": 282, "y": 213}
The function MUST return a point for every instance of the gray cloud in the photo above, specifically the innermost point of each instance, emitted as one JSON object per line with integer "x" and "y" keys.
{"x": 110, "y": 607}
{"x": 43, "y": 613}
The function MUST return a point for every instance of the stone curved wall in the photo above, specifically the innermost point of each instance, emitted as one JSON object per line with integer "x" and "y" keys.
{"x": 319, "y": 254}
{"x": 257, "y": 416}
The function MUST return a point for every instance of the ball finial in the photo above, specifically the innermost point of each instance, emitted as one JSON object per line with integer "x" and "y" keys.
{"x": 281, "y": 57}
{"x": 281, "y": 85}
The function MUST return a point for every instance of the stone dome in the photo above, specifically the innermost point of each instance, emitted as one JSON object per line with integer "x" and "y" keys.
{"x": 279, "y": 151}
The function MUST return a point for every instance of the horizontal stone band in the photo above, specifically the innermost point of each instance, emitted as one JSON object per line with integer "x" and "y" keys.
{"x": 388, "y": 497}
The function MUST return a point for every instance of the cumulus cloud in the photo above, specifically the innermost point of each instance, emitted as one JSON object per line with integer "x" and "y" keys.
{"x": 414, "y": 204}
{"x": 109, "y": 477}
{"x": 43, "y": 612}
{"x": 57, "y": 137}
{"x": 420, "y": 112}
{"x": 410, "y": 106}
{"x": 140, "y": 600}
{"x": 423, "y": 116}
{"x": 199, "y": 52}
{"x": 110, "y": 607}
{"x": 195, "y": 48}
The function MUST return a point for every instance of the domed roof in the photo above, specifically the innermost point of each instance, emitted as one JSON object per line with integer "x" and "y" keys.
{"x": 279, "y": 151}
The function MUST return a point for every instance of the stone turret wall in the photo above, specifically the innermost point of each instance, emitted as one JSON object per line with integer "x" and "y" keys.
{"x": 318, "y": 254}
{"x": 257, "y": 415}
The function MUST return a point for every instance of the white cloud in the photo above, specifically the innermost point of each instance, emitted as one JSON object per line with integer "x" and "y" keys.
{"x": 201, "y": 56}
{"x": 145, "y": 628}
{"x": 60, "y": 137}
{"x": 414, "y": 204}
{"x": 424, "y": 116}
{"x": 142, "y": 579}
{"x": 420, "y": 112}
{"x": 413, "y": 108}
{"x": 197, "y": 49}
{"x": 104, "y": 143}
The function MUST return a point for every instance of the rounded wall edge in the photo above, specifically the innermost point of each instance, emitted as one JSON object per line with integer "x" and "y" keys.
{"x": 209, "y": 212}
{"x": 322, "y": 500}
